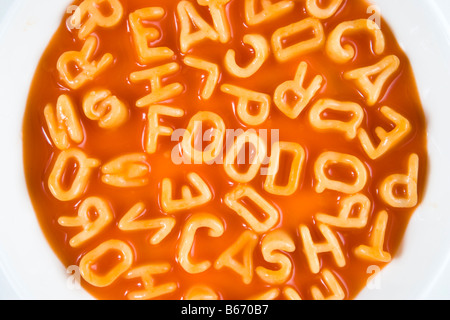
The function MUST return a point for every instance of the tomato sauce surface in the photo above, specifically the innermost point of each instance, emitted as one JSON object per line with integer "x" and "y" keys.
{"x": 298, "y": 209}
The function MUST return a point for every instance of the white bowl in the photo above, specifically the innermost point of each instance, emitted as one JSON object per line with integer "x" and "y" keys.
{"x": 30, "y": 270}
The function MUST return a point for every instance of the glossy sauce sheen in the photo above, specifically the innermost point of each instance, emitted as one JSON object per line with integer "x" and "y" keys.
{"x": 300, "y": 208}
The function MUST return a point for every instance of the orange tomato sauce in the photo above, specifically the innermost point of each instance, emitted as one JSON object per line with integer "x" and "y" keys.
{"x": 300, "y": 208}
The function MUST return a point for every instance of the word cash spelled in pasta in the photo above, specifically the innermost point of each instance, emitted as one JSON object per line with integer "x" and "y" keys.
{"x": 303, "y": 214}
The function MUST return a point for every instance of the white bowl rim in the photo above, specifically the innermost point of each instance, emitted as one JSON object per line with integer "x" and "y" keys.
{"x": 32, "y": 268}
